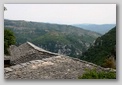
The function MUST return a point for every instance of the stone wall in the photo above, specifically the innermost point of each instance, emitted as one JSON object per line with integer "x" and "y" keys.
{"x": 27, "y": 52}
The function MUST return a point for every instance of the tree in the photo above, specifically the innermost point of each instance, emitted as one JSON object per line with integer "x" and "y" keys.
{"x": 9, "y": 39}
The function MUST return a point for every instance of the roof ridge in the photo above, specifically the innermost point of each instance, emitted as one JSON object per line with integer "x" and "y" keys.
{"x": 40, "y": 49}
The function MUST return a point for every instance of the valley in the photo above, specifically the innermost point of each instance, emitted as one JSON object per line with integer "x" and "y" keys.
{"x": 62, "y": 39}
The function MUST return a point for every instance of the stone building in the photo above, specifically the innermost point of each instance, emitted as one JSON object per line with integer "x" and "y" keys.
{"x": 27, "y": 52}
{"x": 32, "y": 62}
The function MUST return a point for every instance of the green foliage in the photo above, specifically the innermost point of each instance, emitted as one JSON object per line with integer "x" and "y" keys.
{"x": 103, "y": 47}
{"x": 9, "y": 39}
{"x": 93, "y": 74}
{"x": 52, "y": 37}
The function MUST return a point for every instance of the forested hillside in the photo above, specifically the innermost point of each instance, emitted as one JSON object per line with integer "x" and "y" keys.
{"x": 103, "y": 50}
{"x": 63, "y": 39}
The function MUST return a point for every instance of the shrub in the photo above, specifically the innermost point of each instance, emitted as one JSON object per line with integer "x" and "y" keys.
{"x": 93, "y": 74}
{"x": 109, "y": 63}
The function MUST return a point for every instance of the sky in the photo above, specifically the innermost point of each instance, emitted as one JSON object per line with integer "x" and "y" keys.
{"x": 63, "y": 13}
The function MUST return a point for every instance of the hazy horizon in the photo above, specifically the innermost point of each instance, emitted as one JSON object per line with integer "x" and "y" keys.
{"x": 64, "y": 24}
{"x": 68, "y": 14}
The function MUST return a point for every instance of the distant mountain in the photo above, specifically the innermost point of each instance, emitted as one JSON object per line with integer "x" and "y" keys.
{"x": 63, "y": 39}
{"x": 102, "y": 29}
{"x": 104, "y": 48}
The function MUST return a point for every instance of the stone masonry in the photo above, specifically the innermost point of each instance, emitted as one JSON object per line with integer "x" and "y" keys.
{"x": 57, "y": 67}
{"x": 32, "y": 62}
{"x": 27, "y": 52}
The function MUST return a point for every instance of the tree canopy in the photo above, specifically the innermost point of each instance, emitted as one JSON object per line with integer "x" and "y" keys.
{"x": 9, "y": 39}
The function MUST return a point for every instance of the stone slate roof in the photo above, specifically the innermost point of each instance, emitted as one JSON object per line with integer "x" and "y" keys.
{"x": 40, "y": 49}
{"x": 33, "y": 62}
{"x": 27, "y": 52}
{"x": 57, "y": 67}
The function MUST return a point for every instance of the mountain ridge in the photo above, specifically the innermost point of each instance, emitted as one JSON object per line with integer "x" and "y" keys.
{"x": 64, "y": 39}
{"x": 103, "y": 49}
{"x": 99, "y": 28}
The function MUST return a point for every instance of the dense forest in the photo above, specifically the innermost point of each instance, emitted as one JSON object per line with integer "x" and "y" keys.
{"x": 103, "y": 50}
{"x": 63, "y": 39}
